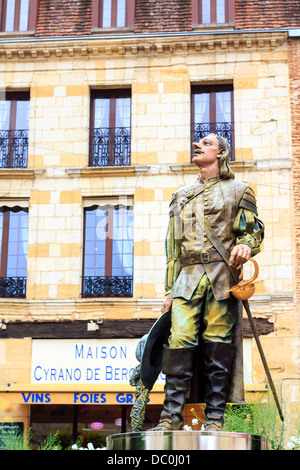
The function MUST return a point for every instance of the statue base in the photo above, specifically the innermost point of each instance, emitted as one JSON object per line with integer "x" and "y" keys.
{"x": 185, "y": 440}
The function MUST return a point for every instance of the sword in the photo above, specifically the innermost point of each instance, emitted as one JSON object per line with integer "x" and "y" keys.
{"x": 238, "y": 291}
{"x": 263, "y": 358}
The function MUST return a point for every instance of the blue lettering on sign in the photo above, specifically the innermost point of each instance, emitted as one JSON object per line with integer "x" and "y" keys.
{"x": 35, "y": 373}
{"x": 90, "y": 398}
{"x": 80, "y": 398}
{"x": 103, "y": 352}
{"x": 93, "y": 374}
{"x": 111, "y": 374}
{"x": 36, "y": 397}
{"x": 117, "y": 374}
{"x": 56, "y": 375}
{"x": 125, "y": 398}
{"x": 78, "y": 353}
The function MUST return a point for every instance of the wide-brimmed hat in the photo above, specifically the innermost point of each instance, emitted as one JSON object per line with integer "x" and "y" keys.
{"x": 151, "y": 362}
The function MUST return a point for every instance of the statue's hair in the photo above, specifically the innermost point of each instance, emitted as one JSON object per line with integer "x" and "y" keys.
{"x": 224, "y": 168}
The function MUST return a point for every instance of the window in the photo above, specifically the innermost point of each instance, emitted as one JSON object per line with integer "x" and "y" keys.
{"x": 18, "y": 15}
{"x": 13, "y": 251}
{"x": 108, "y": 250}
{"x": 113, "y": 13}
{"x": 14, "y": 123}
{"x": 212, "y": 111}
{"x": 213, "y": 11}
{"x": 110, "y": 128}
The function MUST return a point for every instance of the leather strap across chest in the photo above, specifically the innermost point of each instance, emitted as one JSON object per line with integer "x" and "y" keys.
{"x": 215, "y": 241}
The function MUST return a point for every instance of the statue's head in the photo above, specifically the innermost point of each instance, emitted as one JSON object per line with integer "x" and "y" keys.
{"x": 213, "y": 153}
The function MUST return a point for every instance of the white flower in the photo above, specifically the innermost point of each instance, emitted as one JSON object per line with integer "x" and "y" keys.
{"x": 194, "y": 421}
{"x": 290, "y": 445}
{"x": 187, "y": 428}
{"x": 295, "y": 439}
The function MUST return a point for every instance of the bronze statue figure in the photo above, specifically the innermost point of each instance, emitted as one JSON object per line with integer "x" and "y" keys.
{"x": 213, "y": 230}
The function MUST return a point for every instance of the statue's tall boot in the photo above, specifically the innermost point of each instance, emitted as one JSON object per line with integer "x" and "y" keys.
{"x": 217, "y": 362}
{"x": 178, "y": 366}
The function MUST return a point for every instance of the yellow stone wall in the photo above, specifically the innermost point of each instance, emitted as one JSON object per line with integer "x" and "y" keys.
{"x": 159, "y": 72}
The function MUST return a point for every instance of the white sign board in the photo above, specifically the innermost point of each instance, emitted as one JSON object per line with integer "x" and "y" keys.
{"x": 86, "y": 361}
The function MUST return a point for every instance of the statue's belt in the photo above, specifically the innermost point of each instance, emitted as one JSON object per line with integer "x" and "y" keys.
{"x": 200, "y": 258}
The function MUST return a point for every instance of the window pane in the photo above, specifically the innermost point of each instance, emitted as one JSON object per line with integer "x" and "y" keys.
{"x": 89, "y": 261}
{"x": 121, "y": 13}
{"x": 4, "y": 115}
{"x": 206, "y": 11}
{"x": 101, "y": 117}
{"x": 13, "y": 234}
{"x": 201, "y": 108}
{"x": 223, "y": 106}
{"x": 22, "y": 115}
{"x": 24, "y": 15}
{"x": 220, "y": 11}
{"x": 123, "y": 112}
{"x": 122, "y": 257}
{"x": 95, "y": 235}
{"x": 106, "y": 22}
{"x": 10, "y": 15}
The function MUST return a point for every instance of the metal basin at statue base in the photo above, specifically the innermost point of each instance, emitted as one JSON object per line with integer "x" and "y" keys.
{"x": 185, "y": 440}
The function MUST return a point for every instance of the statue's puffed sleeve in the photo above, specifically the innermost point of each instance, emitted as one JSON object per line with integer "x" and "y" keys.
{"x": 248, "y": 227}
{"x": 173, "y": 245}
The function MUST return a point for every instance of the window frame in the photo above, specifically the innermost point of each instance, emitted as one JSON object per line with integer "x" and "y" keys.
{"x": 212, "y": 90}
{"x": 197, "y": 13}
{"x": 108, "y": 254}
{"x": 97, "y": 14}
{"x": 5, "y": 247}
{"x": 14, "y": 97}
{"x": 112, "y": 94}
{"x": 11, "y": 133}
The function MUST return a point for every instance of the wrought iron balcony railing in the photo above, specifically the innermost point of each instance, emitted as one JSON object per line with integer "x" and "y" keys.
{"x": 224, "y": 129}
{"x": 110, "y": 146}
{"x": 107, "y": 286}
{"x": 13, "y": 149}
{"x": 12, "y": 286}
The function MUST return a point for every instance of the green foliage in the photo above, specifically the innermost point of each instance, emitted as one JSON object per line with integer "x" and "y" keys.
{"x": 52, "y": 442}
{"x": 259, "y": 419}
{"x": 239, "y": 418}
{"x": 14, "y": 440}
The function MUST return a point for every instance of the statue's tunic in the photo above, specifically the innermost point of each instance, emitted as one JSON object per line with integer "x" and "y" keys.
{"x": 230, "y": 209}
